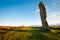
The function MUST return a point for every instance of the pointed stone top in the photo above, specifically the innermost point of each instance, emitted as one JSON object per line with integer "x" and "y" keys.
{"x": 41, "y": 4}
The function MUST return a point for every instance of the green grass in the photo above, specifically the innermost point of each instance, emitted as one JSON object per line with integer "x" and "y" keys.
{"x": 30, "y": 34}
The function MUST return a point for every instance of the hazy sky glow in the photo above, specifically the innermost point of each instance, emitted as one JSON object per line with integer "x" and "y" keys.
{"x": 26, "y": 12}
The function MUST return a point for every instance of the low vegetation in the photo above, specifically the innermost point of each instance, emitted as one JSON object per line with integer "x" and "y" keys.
{"x": 28, "y": 33}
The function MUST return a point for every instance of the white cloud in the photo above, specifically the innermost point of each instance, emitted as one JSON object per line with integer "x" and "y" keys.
{"x": 37, "y": 10}
{"x": 54, "y": 2}
{"x": 54, "y": 18}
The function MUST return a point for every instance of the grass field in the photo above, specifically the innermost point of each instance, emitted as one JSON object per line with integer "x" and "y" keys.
{"x": 29, "y": 33}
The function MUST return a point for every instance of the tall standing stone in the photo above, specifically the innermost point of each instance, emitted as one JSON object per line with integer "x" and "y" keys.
{"x": 43, "y": 16}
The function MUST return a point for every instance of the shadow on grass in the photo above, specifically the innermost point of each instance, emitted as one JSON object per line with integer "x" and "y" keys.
{"x": 55, "y": 28}
{"x": 26, "y": 30}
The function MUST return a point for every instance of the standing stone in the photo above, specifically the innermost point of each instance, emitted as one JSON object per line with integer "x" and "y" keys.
{"x": 43, "y": 16}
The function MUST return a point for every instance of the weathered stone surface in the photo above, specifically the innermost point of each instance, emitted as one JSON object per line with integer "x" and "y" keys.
{"x": 43, "y": 16}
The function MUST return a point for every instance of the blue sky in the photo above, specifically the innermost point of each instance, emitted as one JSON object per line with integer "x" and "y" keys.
{"x": 26, "y": 12}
